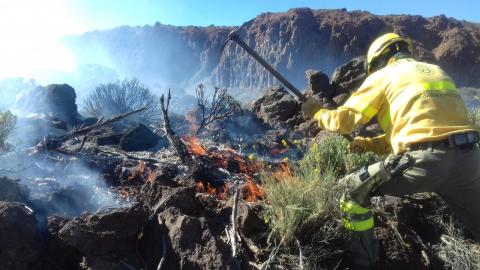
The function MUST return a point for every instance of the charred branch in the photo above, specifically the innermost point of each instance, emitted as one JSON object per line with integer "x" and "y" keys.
{"x": 85, "y": 130}
{"x": 300, "y": 255}
{"x": 271, "y": 257}
{"x": 221, "y": 106}
{"x": 232, "y": 232}
{"x": 177, "y": 143}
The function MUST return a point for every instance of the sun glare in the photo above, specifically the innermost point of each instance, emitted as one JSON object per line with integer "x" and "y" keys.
{"x": 30, "y": 34}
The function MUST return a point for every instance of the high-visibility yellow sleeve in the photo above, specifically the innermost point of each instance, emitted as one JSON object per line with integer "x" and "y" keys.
{"x": 360, "y": 107}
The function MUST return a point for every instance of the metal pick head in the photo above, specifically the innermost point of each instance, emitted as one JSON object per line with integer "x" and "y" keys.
{"x": 231, "y": 35}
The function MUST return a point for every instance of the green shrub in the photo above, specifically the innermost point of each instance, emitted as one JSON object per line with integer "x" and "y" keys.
{"x": 7, "y": 123}
{"x": 310, "y": 194}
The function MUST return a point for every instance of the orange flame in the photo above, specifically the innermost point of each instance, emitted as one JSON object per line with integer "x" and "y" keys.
{"x": 252, "y": 191}
{"x": 142, "y": 173}
{"x": 284, "y": 171}
{"x": 191, "y": 118}
{"x": 222, "y": 192}
{"x": 194, "y": 146}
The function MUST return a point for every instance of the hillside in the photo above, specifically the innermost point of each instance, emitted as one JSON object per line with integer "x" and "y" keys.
{"x": 292, "y": 41}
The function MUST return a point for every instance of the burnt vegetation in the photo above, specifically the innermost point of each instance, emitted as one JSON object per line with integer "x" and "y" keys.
{"x": 268, "y": 201}
{"x": 219, "y": 106}
{"x": 115, "y": 98}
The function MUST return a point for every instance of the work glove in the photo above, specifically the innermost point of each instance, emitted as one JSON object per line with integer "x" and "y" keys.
{"x": 377, "y": 145}
{"x": 358, "y": 145}
{"x": 310, "y": 107}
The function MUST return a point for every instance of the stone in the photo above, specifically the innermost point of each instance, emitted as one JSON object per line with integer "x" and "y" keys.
{"x": 20, "y": 240}
{"x": 349, "y": 76}
{"x": 139, "y": 138}
{"x": 318, "y": 84}
{"x": 276, "y": 106}
{"x": 109, "y": 233}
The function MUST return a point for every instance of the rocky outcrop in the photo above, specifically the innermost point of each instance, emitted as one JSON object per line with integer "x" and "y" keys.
{"x": 57, "y": 101}
{"x": 292, "y": 41}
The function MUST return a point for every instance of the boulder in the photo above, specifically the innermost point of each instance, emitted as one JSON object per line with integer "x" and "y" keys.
{"x": 20, "y": 241}
{"x": 318, "y": 84}
{"x": 276, "y": 107}
{"x": 108, "y": 139}
{"x": 140, "y": 138}
{"x": 195, "y": 242}
{"x": 65, "y": 257}
{"x": 111, "y": 233}
{"x": 55, "y": 100}
{"x": 349, "y": 76}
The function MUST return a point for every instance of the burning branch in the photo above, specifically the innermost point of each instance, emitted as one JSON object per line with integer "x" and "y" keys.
{"x": 180, "y": 147}
{"x": 222, "y": 106}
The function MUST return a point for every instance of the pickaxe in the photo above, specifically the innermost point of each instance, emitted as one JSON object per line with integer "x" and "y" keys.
{"x": 234, "y": 36}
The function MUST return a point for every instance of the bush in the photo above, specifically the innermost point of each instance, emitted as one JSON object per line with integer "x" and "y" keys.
{"x": 111, "y": 99}
{"x": 7, "y": 123}
{"x": 474, "y": 116}
{"x": 309, "y": 195}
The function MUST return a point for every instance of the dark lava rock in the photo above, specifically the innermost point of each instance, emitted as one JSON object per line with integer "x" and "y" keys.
{"x": 12, "y": 191}
{"x": 110, "y": 234}
{"x": 55, "y": 100}
{"x": 108, "y": 139}
{"x": 349, "y": 76}
{"x": 139, "y": 138}
{"x": 20, "y": 242}
{"x": 318, "y": 84}
{"x": 64, "y": 256}
{"x": 277, "y": 106}
{"x": 195, "y": 241}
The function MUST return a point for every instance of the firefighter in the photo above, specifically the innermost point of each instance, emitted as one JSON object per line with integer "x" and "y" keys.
{"x": 432, "y": 146}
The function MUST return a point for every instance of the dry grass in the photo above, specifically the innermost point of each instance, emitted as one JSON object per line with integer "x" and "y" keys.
{"x": 310, "y": 193}
{"x": 454, "y": 250}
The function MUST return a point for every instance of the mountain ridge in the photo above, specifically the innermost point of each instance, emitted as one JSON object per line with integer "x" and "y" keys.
{"x": 291, "y": 41}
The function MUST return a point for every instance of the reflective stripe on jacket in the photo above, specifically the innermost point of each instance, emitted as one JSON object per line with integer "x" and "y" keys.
{"x": 413, "y": 102}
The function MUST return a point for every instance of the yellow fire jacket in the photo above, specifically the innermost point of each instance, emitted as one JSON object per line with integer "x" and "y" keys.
{"x": 413, "y": 102}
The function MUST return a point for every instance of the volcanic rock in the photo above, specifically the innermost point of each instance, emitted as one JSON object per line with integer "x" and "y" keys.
{"x": 12, "y": 191}
{"x": 276, "y": 107}
{"x": 20, "y": 242}
{"x": 55, "y": 100}
{"x": 139, "y": 138}
{"x": 108, "y": 139}
{"x": 110, "y": 234}
{"x": 318, "y": 84}
{"x": 349, "y": 76}
{"x": 64, "y": 256}
{"x": 195, "y": 241}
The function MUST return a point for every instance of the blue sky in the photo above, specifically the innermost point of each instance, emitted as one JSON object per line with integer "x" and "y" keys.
{"x": 109, "y": 13}
{"x": 31, "y": 30}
